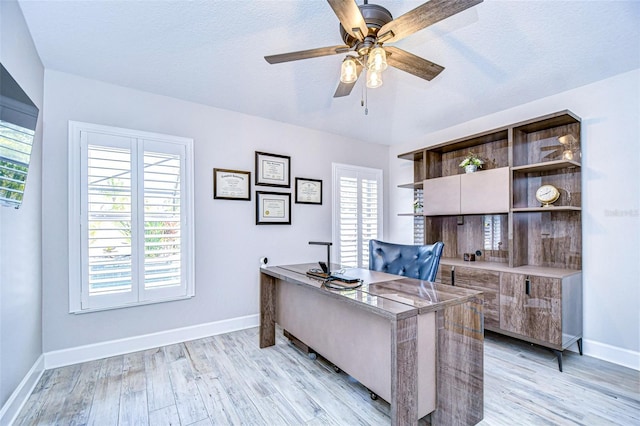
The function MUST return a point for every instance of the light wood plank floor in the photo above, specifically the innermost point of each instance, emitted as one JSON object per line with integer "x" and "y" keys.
{"x": 228, "y": 380}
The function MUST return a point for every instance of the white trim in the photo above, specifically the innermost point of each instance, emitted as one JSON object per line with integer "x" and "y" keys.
{"x": 19, "y": 397}
{"x": 101, "y": 350}
{"x": 620, "y": 356}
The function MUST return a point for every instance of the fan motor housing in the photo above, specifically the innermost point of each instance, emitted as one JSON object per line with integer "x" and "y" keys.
{"x": 374, "y": 16}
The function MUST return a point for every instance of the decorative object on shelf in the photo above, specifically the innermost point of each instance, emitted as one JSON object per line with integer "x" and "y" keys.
{"x": 417, "y": 206}
{"x": 567, "y": 141}
{"x": 471, "y": 163}
{"x": 308, "y": 191}
{"x": 273, "y": 170}
{"x": 547, "y": 194}
{"x": 231, "y": 184}
{"x": 273, "y": 208}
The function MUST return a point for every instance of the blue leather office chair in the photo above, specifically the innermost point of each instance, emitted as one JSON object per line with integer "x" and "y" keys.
{"x": 412, "y": 261}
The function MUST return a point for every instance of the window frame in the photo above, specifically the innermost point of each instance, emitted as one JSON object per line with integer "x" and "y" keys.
{"x": 340, "y": 170}
{"x": 79, "y": 299}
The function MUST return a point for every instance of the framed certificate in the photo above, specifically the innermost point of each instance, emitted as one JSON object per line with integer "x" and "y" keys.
{"x": 308, "y": 191}
{"x": 231, "y": 184}
{"x": 273, "y": 208}
{"x": 273, "y": 170}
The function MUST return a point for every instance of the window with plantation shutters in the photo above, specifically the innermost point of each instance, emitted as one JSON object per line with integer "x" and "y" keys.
{"x": 357, "y": 213}
{"x": 131, "y": 209}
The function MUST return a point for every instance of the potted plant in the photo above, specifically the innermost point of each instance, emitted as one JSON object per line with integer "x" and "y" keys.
{"x": 471, "y": 163}
{"x": 417, "y": 206}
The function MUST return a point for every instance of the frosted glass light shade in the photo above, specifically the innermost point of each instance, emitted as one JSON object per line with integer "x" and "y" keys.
{"x": 377, "y": 59}
{"x": 348, "y": 71}
{"x": 374, "y": 79}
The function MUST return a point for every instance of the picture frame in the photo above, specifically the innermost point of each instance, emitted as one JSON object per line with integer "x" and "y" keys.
{"x": 308, "y": 191}
{"x": 273, "y": 170}
{"x": 231, "y": 184}
{"x": 273, "y": 208}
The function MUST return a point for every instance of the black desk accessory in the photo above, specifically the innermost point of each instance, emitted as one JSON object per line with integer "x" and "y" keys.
{"x": 328, "y": 264}
{"x": 344, "y": 278}
{"x": 326, "y": 270}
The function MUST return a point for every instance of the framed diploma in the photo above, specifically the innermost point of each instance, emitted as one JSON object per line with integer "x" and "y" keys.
{"x": 273, "y": 170}
{"x": 308, "y": 191}
{"x": 231, "y": 184}
{"x": 273, "y": 208}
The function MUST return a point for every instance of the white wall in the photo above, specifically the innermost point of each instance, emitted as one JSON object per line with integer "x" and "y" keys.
{"x": 20, "y": 230}
{"x": 228, "y": 243}
{"x": 610, "y": 111}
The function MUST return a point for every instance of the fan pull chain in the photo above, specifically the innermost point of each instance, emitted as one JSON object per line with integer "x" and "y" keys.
{"x": 364, "y": 100}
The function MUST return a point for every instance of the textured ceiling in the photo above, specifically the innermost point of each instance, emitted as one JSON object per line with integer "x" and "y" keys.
{"x": 496, "y": 55}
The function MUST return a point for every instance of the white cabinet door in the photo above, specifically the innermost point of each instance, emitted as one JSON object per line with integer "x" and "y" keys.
{"x": 484, "y": 192}
{"x": 442, "y": 196}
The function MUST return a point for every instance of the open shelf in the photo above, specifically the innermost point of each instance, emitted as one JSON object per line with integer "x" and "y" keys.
{"x": 415, "y": 185}
{"x": 410, "y": 214}
{"x": 412, "y": 156}
{"x": 545, "y": 209}
{"x": 546, "y": 166}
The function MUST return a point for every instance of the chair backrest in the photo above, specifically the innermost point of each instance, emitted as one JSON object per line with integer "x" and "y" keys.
{"x": 412, "y": 261}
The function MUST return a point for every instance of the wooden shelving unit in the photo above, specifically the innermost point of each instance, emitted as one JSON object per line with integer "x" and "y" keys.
{"x": 530, "y": 255}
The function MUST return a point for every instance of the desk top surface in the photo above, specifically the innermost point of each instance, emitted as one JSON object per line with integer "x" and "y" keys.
{"x": 388, "y": 295}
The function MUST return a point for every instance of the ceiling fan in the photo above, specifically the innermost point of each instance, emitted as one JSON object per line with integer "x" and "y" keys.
{"x": 366, "y": 28}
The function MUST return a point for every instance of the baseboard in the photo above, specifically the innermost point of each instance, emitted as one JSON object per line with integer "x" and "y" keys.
{"x": 95, "y": 351}
{"x": 19, "y": 396}
{"x": 614, "y": 354}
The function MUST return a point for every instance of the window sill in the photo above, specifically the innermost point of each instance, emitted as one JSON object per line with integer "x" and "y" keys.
{"x": 129, "y": 305}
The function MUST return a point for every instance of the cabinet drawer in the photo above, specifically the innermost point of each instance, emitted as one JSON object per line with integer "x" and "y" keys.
{"x": 531, "y": 306}
{"x": 487, "y": 282}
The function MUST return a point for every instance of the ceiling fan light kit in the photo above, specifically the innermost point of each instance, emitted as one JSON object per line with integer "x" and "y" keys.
{"x": 348, "y": 70}
{"x": 374, "y": 78}
{"x": 365, "y": 28}
{"x": 377, "y": 60}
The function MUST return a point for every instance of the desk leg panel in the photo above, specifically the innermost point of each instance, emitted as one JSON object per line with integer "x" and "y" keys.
{"x": 404, "y": 371}
{"x": 460, "y": 367}
{"x": 267, "y": 310}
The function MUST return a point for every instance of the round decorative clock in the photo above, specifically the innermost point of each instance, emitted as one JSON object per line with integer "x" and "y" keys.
{"x": 547, "y": 194}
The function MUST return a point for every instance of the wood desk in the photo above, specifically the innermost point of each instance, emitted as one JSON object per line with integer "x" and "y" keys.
{"x": 417, "y": 344}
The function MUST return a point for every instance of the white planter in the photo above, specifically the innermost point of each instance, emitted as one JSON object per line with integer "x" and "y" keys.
{"x": 470, "y": 168}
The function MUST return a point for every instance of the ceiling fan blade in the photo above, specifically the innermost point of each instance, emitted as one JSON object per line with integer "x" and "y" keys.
{"x": 350, "y": 17}
{"x": 421, "y": 17}
{"x": 411, "y": 63}
{"x": 344, "y": 89}
{"x": 306, "y": 54}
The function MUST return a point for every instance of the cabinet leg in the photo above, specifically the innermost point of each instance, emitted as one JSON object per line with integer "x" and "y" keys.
{"x": 580, "y": 346}
{"x": 559, "y": 356}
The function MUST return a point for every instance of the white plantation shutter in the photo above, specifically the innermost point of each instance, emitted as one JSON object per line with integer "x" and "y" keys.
{"x": 492, "y": 232}
{"x": 357, "y": 214}
{"x": 418, "y": 221}
{"x": 107, "y": 237}
{"x": 162, "y": 220}
{"x": 15, "y": 151}
{"x": 134, "y": 236}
